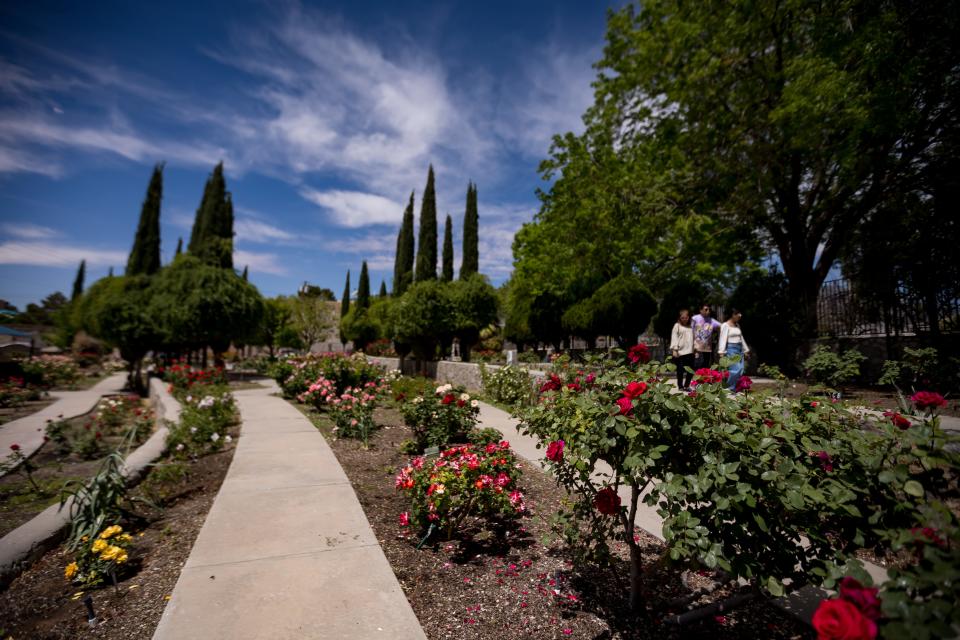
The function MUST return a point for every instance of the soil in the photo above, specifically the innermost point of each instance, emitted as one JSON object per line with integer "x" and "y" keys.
{"x": 522, "y": 583}
{"x": 52, "y": 465}
{"x": 878, "y": 399}
{"x": 9, "y": 414}
{"x": 40, "y": 604}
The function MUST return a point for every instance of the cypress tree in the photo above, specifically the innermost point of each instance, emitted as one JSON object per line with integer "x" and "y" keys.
{"x": 427, "y": 243}
{"x": 403, "y": 265}
{"x": 383, "y": 289}
{"x": 447, "y": 270}
{"x": 363, "y": 288}
{"x": 78, "y": 281}
{"x": 145, "y": 255}
{"x": 179, "y": 247}
{"x": 110, "y": 273}
{"x": 345, "y": 301}
{"x": 246, "y": 273}
{"x": 471, "y": 222}
{"x": 211, "y": 239}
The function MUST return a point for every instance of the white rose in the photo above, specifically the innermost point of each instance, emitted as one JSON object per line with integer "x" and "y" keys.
{"x": 474, "y": 404}
{"x": 228, "y": 439}
{"x": 464, "y": 396}
{"x": 215, "y": 436}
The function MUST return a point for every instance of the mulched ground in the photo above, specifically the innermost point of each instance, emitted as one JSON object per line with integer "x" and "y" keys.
{"x": 871, "y": 398}
{"x": 41, "y": 604}
{"x": 9, "y": 414}
{"x": 523, "y": 584}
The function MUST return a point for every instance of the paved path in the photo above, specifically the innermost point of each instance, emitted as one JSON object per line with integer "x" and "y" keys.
{"x": 286, "y": 551}
{"x": 28, "y": 431}
{"x": 801, "y": 603}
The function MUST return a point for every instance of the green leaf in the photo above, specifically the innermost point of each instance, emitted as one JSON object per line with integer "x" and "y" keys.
{"x": 774, "y": 587}
{"x": 913, "y": 488}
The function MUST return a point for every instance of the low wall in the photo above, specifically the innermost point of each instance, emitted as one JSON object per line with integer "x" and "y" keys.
{"x": 24, "y": 545}
{"x": 465, "y": 374}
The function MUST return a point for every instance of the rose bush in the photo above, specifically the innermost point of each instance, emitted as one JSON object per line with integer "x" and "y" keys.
{"x": 740, "y": 481}
{"x": 463, "y": 484}
{"x": 445, "y": 416}
{"x": 295, "y": 375}
{"x": 100, "y": 557}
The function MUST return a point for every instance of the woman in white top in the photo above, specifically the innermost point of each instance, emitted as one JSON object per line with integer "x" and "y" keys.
{"x": 681, "y": 346}
{"x": 733, "y": 345}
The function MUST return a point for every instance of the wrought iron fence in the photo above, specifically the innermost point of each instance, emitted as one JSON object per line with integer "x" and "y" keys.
{"x": 841, "y": 311}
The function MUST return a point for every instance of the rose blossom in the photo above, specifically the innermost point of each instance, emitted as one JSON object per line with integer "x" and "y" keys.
{"x": 555, "y": 451}
{"x": 897, "y": 419}
{"x": 635, "y": 390}
{"x": 841, "y": 620}
{"x": 928, "y": 400}
{"x": 626, "y": 406}
{"x": 607, "y": 501}
{"x": 865, "y": 598}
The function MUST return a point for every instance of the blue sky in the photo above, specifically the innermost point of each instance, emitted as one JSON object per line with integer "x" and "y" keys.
{"x": 326, "y": 116}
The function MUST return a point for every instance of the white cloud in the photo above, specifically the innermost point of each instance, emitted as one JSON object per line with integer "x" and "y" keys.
{"x": 251, "y": 230}
{"x": 258, "y": 262}
{"x": 56, "y": 255}
{"x": 355, "y": 208}
{"x": 28, "y": 231}
{"x": 22, "y": 161}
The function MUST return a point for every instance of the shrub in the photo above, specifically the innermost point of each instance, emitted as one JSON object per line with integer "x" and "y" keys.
{"x": 403, "y": 387}
{"x": 739, "y": 480}
{"x": 507, "y": 385}
{"x": 184, "y": 377}
{"x": 529, "y": 357}
{"x": 14, "y": 392}
{"x": 96, "y": 501}
{"x": 483, "y": 437}
{"x": 442, "y": 417}
{"x": 352, "y": 412}
{"x": 295, "y": 375}
{"x": 99, "y": 557}
{"x": 462, "y": 484}
{"x": 50, "y": 371}
{"x": 203, "y": 422}
{"x": 834, "y": 370}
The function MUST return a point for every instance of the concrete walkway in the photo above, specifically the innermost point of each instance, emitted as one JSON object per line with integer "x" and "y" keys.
{"x": 801, "y": 603}
{"x": 286, "y": 551}
{"x": 28, "y": 431}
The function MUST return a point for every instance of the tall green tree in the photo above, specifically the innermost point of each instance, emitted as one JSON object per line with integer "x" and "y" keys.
{"x": 345, "y": 300}
{"x": 145, "y": 255}
{"x": 796, "y": 119}
{"x": 383, "y": 289}
{"x": 470, "y": 263}
{"x": 363, "y": 288}
{"x": 426, "y": 268}
{"x": 78, "y": 281}
{"x": 179, "y": 247}
{"x": 211, "y": 239}
{"x": 403, "y": 262}
{"x": 246, "y": 273}
{"x": 447, "y": 268}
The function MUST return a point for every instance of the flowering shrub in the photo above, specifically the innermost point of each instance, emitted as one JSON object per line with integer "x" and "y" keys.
{"x": 638, "y": 354}
{"x": 447, "y": 415}
{"x": 739, "y": 480}
{"x": 295, "y": 375}
{"x": 508, "y": 385}
{"x": 99, "y": 557}
{"x": 203, "y": 421}
{"x": 184, "y": 377}
{"x": 928, "y": 400}
{"x": 352, "y": 412}
{"x": 50, "y": 371}
{"x": 14, "y": 392}
{"x": 463, "y": 483}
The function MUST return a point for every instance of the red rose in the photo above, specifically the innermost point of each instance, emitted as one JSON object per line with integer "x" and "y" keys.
{"x": 635, "y": 390}
{"x": 841, "y": 620}
{"x": 447, "y": 399}
{"x": 626, "y": 406}
{"x": 826, "y": 462}
{"x": 461, "y": 403}
{"x": 555, "y": 451}
{"x": 744, "y": 383}
{"x": 897, "y": 419}
{"x": 928, "y": 400}
{"x": 708, "y": 376}
{"x": 573, "y": 386}
{"x": 865, "y": 598}
{"x": 553, "y": 383}
{"x": 607, "y": 501}
{"x": 15, "y": 447}
{"x": 639, "y": 353}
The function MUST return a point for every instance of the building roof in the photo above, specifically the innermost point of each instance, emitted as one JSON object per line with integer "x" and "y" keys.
{"x": 7, "y": 331}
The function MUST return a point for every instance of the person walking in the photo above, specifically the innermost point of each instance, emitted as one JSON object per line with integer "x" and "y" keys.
{"x": 733, "y": 345}
{"x": 681, "y": 346}
{"x": 704, "y": 330}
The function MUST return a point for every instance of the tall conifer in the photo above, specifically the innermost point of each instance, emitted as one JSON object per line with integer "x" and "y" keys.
{"x": 211, "y": 239}
{"x": 179, "y": 247}
{"x": 427, "y": 245}
{"x": 246, "y": 273}
{"x": 403, "y": 265}
{"x": 363, "y": 288}
{"x": 447, "y": 269}
{"x": 383, "y": 289}
{"x": 145, "y": 255}
{"x": 345, "y": 301}
{"x": 471, "y": 223}
{"x": 78, "y": 281}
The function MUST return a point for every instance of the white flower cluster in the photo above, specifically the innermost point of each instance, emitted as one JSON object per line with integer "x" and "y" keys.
{"x": 444, "y": 388}
{"x": 207, "y": 402}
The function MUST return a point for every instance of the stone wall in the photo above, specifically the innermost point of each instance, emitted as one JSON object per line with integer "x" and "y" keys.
{"x": 465, "y": 374}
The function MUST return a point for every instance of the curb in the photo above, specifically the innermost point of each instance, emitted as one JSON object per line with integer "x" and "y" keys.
{"x": 24, "y": 545}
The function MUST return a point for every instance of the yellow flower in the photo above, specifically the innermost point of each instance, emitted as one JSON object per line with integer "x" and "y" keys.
{"x": 71, "y": 570}
{"x": 84, "y": 538}
{"x": 121, "y": 558}
{"x": 111, "y": 553}
{"x": 111, "y": 530}
{"x": 124, "y": 537}
{"x": 98, "y": 546}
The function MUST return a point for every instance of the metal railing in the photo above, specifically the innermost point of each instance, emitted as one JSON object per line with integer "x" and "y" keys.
{"x": 841, "y": 311}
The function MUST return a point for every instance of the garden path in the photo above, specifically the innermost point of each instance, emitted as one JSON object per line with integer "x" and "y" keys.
{"x": 28, "y": 432}
{"x": 801, "y": 603}
{"x": 286, "y": 551}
